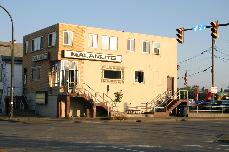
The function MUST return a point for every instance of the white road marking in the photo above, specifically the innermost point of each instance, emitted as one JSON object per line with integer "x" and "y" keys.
{"x": 193, "y": 146}
{"x": 224, "y": 145}
{"x": 226, "y": 149}
{"x": 143, "y": 146}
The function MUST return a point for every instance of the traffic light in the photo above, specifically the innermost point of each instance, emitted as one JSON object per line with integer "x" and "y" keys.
{"x": 180, "y": 35}
{"x": 214, "y": 29}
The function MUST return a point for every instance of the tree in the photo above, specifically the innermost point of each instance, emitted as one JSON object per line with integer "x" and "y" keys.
{"x": 118, "y": 97}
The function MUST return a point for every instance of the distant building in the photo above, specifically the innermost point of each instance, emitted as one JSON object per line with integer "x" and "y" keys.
{"x": 72, "y": 70}
{"x": 5, "y": 72}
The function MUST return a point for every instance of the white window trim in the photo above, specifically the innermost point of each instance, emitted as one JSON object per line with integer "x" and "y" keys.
{"x": 154, "y": 47}
{"x": 53, "y": 43}
{"x": 143, "y": 77}
{"x": 116, "y": 43}
{"x": 70, "y": 38}
{"x": 94, "y": 44}
{"x": 132, "y": 39}
{"x": 143, "y": 47}
{"x": 35, "y": 44}
{"x": 108, "y": 42}
{"x": 26, "y": 46}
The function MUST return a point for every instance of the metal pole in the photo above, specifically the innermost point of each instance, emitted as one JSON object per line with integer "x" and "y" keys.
{"x": 12, "y": 65}
{"x": 213, "y": 76}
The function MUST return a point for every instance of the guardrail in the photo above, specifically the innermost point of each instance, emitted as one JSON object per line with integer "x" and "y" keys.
{"x": 219, "y": 108}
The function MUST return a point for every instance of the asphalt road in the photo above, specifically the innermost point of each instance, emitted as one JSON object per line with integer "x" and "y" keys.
{"x": 100, "y": 136}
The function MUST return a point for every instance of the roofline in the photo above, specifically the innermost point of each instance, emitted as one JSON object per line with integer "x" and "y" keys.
{"x": 100, "y": 28}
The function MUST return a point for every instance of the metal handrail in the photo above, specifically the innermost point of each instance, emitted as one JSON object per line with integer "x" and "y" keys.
{"x": 153, "y": 102}
{"x": 96, "y": 96}
{"x": 176, "y": 95}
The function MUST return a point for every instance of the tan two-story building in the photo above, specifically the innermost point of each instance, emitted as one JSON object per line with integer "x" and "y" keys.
{"x": 72, "y": 70}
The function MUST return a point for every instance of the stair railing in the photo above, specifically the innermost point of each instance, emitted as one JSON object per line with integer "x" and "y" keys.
{"x": 178, "y": 96}
{"x": 164, "y": 104}
{"x": 97, "y": 97}
{"x": 154, "y": 102}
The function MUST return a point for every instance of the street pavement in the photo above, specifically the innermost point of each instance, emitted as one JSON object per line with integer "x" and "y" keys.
{"x": 57, "y": 135}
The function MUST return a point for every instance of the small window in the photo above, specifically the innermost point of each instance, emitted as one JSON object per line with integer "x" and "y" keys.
{"x": 131, "y": 45}
{"x": 113, "y": 43}
{"x": 36, "y": 73}
{"x": 93, "y": 40}
{"x": 52, "y": 39}
{"x": 25, "y": 76}
{"x": 105, "y": 42}
{"x": 145, "y": 47}
{"x": 1, "y": 72}
{"x": 156, "y": 48}
{"x": 139, "y": 76}
{"x": 68, "y": 38}
{"x": 26, "y": 47}
{"x": 112, "y": 74}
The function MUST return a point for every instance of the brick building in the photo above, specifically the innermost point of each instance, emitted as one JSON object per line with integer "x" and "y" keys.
{"x": 71, "y": 70}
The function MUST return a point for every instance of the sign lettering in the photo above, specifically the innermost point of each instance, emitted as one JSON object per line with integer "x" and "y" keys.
{"x": 93, "y": 56}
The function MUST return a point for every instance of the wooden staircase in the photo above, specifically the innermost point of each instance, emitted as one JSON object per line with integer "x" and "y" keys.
{"x": 166, "y": 112}
{"x": 165, "y": 103}
{"x": 97, "y": 98}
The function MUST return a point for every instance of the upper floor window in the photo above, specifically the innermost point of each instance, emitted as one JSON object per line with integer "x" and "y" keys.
{"x": 68, "y": 38}
{"x": 52, "y": 39}
{"x": 93, "y": 40}
{"x": 131, "y": 45}
{"x": 145, "y": 47}
{"x": 113, "y": 43}
{"x": 105, "y": 42}
{"x": 37, "y": 43}
{"x": 26, "y": 47}
{"x": 156, "y": 48}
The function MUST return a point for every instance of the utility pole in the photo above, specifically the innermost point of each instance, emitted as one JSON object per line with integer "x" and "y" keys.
{"x": 214, "y": 35}
{"x": 12, "y": 64}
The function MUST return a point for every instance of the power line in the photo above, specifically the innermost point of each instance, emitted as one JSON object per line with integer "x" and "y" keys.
{"x": 191, "y": 58}
{"x": 194, "y": 74}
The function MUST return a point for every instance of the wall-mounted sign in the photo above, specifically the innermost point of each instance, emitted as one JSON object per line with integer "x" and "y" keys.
{"x": 39, "y": 57}
{"x": 93, "y": 56}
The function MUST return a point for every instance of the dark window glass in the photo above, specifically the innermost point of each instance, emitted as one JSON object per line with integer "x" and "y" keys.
{"x": 110, "y": 74}
{"x": 139, "y": 76}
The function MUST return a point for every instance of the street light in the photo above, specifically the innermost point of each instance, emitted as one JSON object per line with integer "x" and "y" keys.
{"x": 12, "y": 66}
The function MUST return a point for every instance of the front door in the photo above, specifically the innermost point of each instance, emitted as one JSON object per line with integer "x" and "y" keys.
{"x": 170, "y": 84}
{"x": 72, "y": 77}
{"x": 69, "y": 75}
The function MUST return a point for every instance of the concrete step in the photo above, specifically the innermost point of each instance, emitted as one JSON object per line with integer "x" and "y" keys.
{"x": 161, "y": 114}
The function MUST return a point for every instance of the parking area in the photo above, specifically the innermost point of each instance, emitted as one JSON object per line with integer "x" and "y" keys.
{"x": 85, "y": 136}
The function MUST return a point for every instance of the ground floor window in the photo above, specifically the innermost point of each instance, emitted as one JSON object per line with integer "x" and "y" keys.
{"x": 112, "y": 74}
{"x": 139, "y": 76}
{"x": 36, "y": 73}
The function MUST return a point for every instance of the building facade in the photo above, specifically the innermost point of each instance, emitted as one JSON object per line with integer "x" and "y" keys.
{"x": 5, "y": 73}
{"x": 72, "y": 70}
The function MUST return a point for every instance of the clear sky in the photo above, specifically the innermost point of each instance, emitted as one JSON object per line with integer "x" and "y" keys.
{"x": 156, "y": 17}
